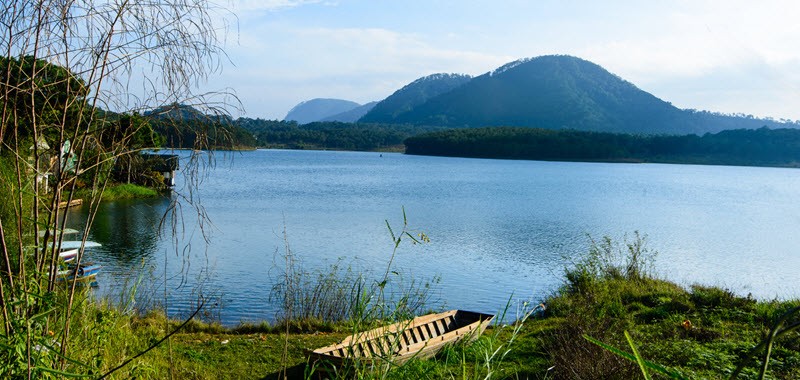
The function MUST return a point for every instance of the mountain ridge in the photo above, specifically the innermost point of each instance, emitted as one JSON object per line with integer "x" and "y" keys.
{"x": 552, "y": 92}
{"x": 319, "y": 108}
{"x": 351, "y": 116}
{"x": 412, "y": 95}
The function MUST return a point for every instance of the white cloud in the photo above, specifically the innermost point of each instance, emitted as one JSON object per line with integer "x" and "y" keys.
{"x": 289, "y": 65}
{"x": 733, "y": 56}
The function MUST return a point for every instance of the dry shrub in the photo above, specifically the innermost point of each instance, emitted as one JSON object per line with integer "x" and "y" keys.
{"x": 574, "y": 357}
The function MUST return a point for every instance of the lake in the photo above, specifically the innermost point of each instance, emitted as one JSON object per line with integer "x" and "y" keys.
{"x": 499, "y": 230}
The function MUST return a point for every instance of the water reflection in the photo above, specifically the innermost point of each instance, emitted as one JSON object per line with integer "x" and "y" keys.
{"x": 130, "y": 230}
{"x": 132, "y": 235}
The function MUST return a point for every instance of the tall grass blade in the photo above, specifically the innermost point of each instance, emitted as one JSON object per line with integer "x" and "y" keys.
{"x": 62, "y": 373}
{"x": 639, "y": 359}
{"x": 653, "y": 366}
{"x": 767, "y": 343}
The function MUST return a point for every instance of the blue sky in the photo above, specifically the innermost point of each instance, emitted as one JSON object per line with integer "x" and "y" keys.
{"x": 726, "y": 56}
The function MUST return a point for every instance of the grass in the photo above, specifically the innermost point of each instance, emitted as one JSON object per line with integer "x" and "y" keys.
{"x": 610, "y": 303}
{"x": 700, "y": 332}
{"x": 128, "y": 191}
{"x": 121, "y": 191}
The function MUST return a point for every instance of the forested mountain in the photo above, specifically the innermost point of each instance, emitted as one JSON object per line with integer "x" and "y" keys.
{"x": 556, "y": 92}
{"x": 352, "y": 115}
{"x": 412, "y": 95}
{"x": 318, "y": 109}
{"x": 184, "y": 126}
{"x": 759, "y": 147}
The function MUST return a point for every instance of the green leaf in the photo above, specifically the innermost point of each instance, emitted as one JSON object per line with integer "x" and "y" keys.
{"x": 390, "y": 231}
{"x": 413, "y": 239}
{"x": 639, "y": 359}
{"x": 653, "y": 366}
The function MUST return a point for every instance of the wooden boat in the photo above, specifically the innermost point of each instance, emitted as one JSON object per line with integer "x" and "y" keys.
{"x": 421, "y": 337}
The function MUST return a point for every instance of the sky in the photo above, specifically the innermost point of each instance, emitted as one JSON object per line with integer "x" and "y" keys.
{"x": 725, "y": 56}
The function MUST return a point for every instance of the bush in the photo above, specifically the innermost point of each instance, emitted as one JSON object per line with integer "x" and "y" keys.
{"x": 607, "y": 260}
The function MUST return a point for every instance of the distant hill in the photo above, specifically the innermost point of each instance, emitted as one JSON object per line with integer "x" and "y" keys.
{"x": 329, "y": 135}
{"x": 352, "y": 115}
{"x": 184, "y": 126}
{"x": 183, "y": 112}
{"x": 413, "y": 95}
{"x": 318, "y": 109}
{"x": 552, "y": 92}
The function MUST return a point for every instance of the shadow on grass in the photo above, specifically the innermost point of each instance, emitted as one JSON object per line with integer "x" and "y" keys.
{"x": 296, "y": 372}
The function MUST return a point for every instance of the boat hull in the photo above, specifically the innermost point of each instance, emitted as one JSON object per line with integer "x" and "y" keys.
{"x": 421, "y": 338}
{"x": 83, "y": 272}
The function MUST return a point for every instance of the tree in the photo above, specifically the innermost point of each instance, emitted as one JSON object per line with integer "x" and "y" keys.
{"x": 61, "y": 62}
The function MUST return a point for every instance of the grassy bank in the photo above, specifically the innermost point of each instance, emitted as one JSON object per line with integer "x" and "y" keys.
{"x": 699, "y": 332}
{"x": 121, "y": 191}
{"x": 129, "y": 191}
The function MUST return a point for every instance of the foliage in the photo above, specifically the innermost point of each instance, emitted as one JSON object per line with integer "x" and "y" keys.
{"x": 128, "y": 191}
{"x": 763, "y": 146}
{"x": 62, "y": 62}
{"x": 183, "y": 126}
{"x": 329, "y": 135}
{"x": 337, "y": 294}
{"x": 703, "y": 332}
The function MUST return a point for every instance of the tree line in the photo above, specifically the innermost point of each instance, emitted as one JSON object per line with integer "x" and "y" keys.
{"x": 758, "y": 147}
{"x": 332, "y": 135}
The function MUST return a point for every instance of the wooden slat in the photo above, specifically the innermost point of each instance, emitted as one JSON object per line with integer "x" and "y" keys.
{"x": 440, "y": 327}
{"x": 408, "y": 338}
{"x": 421, "y": 331}
{"x": 431, "y": 332}
{"x": 434, "y": 329}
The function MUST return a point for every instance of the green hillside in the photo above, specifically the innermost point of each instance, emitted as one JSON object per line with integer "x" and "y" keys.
{"x": 559, "y": 92}
{"x": 413, "y": 94}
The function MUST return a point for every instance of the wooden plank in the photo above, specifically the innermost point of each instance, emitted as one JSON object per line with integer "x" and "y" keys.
{"x": 72, "y": 203}
{"x": 421, "y": 330}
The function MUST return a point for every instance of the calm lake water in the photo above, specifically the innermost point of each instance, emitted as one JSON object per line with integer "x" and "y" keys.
{"x": 499, "y": 229}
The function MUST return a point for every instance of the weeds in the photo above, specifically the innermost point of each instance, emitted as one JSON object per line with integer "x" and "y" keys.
{"x": 608, "y": 301}
{"x": 342, "y": 295}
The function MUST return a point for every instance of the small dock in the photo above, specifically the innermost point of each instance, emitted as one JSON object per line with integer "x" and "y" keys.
{"x": 72, "y": 203}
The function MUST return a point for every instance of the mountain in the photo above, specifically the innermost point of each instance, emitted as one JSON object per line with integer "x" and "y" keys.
{"x": 412, "y": 95}
{"x": 551, "y": 92}
{"x": 352, "y": 115}
{"x": 318, "y": 109}
{"x": 184, "y": 126}
{"x": 183, "y": 112}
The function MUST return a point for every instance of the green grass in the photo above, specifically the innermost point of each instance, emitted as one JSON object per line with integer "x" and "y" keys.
{"x": 121, "y": 191}
{"x": 128, "y": 191}
{"x": 724, "y": 327}
{"x": 699, "y": 332}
